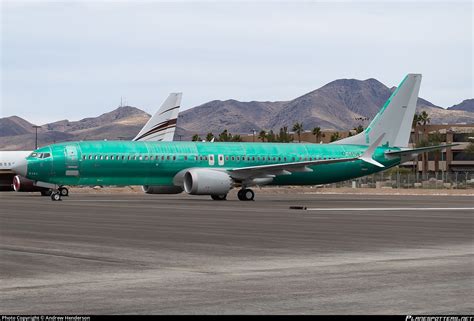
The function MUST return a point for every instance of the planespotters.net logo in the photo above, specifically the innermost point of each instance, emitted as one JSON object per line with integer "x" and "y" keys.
{"x": 439, "y": 318}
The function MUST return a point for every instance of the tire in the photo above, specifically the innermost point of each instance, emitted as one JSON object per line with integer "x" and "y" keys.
{"x": 64, "y": 191}
{"x": 56, "y": 196}
{"x": 246, "y": 194}
{"x": 219, "y": 197}
{"x": 249, "y": 195}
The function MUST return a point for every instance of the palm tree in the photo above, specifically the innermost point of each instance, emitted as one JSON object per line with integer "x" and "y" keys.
{"x": 262, "y": 135}
{"x": 415, "y": 123}
{"x": 209, "y": 137}
{"x": 316, "y": 132}
{"x": 271, "y": 136}
{"x": 335, "y": 137}
{"x": 434, "y": 140}
{"x": 284, "y": 136}
{"x": 225, "y": 136}
{"x": 359, "y": 129}
{"x": 298, "y": 128}
{"x": 424, "y": 119}
{"x": 196, "y": 138}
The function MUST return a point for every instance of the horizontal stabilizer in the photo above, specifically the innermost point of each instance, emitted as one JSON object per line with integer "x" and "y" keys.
{"x": 367, "y": 155}
{"x": 411, "y": 153}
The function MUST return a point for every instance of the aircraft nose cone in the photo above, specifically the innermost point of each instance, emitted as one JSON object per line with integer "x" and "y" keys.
{"x": 20, "y": 167}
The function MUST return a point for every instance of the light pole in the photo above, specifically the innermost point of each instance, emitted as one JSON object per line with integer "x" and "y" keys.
{"x": 254, "y": 132}
{"x": 36, "y": 135}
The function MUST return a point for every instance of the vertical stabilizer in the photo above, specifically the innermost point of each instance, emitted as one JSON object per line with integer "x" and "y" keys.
{"x": 162, "y": 125}
{"x": 394, "y": 119}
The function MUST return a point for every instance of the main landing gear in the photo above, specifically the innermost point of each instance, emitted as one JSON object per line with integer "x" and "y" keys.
{"x": 64, "y": 191}
{"x": 246, "y": 194}
{"x": 56, "y": 195}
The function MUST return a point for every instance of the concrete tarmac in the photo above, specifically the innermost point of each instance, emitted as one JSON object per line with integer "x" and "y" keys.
{"x": 179, "y": 254}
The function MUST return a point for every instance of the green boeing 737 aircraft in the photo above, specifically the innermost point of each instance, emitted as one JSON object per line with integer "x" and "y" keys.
{"x": 207, "y": 168}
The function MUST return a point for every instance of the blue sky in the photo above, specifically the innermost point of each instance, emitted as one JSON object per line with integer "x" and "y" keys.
{"x": 75, "y": 59}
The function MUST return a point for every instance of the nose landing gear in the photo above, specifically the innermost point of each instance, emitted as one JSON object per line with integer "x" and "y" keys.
{"x": 60, "y": 192}
{"x": 246, "y": 194}
{"x": 56, "y": 196}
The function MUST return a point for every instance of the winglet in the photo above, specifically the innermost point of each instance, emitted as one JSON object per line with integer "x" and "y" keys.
{"x": 367, "y": 155}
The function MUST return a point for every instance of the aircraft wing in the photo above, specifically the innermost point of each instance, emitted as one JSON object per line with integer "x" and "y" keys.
{"x": 162, "y": 125}
{"x": 282, "y": 168}
{"x": 271, "y": 170}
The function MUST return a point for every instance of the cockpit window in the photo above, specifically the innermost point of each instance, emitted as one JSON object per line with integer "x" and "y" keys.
{"x": 40, "y": 155}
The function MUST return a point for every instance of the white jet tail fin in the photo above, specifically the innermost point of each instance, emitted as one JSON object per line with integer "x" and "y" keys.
{"x": 162, "y": 125}
{"x": 394, "y": 119}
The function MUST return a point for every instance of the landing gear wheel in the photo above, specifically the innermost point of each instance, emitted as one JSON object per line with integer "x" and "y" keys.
{"x": 219, "y": 197}
{"x": 46, "y": 193}
{"x": 64, "y": 191}
{"x": 56, "y": 196}
{"x": 246, "y": 194}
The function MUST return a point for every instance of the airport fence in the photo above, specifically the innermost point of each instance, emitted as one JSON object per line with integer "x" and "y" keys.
{"x": 401, "y": 179}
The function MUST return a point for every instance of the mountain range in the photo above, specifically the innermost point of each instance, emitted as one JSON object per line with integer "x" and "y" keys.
{"x": 340, "y": 105}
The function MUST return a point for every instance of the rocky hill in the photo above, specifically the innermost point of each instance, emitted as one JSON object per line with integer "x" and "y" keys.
{"x": 338, "y": 105}
{"x": 121, "y": 123}
{"x": 14, "y": 125}
{"x": 466, "y": 105}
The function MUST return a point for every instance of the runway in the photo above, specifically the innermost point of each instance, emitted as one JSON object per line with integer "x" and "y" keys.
{"x": 180, "y": 254}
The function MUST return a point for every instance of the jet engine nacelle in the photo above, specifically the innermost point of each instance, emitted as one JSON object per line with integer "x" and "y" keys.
{"x": 150, "y": 189}
{"x": 202, "y": 181}
{"x": 22, "y": 184}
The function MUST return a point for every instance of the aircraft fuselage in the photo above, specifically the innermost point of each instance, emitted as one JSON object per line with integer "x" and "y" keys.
{"x": 157, "y": 163}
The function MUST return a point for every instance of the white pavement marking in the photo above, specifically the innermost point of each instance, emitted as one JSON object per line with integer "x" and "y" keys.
{"x": 393, "y": 209}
